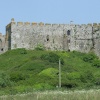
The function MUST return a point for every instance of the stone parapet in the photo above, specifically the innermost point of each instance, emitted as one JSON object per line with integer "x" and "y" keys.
{"x": 89, "y": 24}
{"x": 34, "y": 23}
{"x": 19, "y": 23}
{"x": 47, "y": 24}
{"x": 41, "y": 24}
{"x": 26, "y": 23}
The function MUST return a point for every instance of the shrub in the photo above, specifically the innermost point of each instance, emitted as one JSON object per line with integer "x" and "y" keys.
{"x": 5, "y": 80}
{"x": 76, "y": 53}
{"x": 89, "y": 57}
{"x": 49, "y": 72}
{"x": 96, "y": 63}
{"x": 70, "y": 84}
{"x": 17, "y": 77}
{"x": 87, "y": 77}
{"x": 40, "y": 47}
{"x": 42, "y": 86}
{"x": 23, "y": 51}
{"x": 97, "y": 81}
{"x": 52, "y": 57}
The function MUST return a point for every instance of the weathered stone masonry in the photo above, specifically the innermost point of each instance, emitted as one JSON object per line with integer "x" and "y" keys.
{"x": 67, "y": 37}
{"x": 2, "y": 43}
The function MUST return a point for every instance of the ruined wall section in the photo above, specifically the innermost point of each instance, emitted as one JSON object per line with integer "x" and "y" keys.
{"x": 29, "y": 35}
{"x": 2, "y": 43}
{"x": 96, "y": 40}
{"x": 82, "y": 38}
{"x": 67, "y": 37}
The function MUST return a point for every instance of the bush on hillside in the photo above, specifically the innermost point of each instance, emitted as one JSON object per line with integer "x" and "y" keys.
{"x": 49, "y": 72}
{"x": 96, "y": 63}
{"x": 70, "y": 84}
{"x": 5, "y": 80}
{"x": 87, "y": 77}
{"x": 76, "y": 53}
{"x": 52, "y": 57}
{"x": 40, "y": 47}
{"x": 42, "y": 86}
{"x": 15, "y": 77}
{"x": 23, "y": 51}
{"x": 89, "y": 57}
{"x": 97, "y": 81}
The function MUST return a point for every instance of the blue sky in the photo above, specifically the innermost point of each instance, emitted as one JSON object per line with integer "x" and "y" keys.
{"x": 49, "y": 11}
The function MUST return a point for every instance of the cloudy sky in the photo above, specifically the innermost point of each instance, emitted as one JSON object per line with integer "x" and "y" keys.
{"x": 49, "y": 11}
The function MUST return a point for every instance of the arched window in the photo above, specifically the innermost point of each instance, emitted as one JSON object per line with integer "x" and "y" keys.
{"x": 68, "y": 32}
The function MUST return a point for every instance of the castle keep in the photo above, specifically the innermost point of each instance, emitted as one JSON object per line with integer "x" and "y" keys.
{"x": 67, "y": 37}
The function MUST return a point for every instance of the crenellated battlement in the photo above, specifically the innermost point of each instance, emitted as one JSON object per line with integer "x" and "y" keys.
{"x": 19, "y": 23}
{"x": 26, "y": 23}
{"x": 79, "y": 37}
{"x": 41, "y": 24}
{"x": 89, "y": 24}
{"x": 49, "y": 24}
{"x": 34, "y": 24}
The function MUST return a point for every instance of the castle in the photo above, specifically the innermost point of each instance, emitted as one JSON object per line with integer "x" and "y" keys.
{"x": 63, "y": 37}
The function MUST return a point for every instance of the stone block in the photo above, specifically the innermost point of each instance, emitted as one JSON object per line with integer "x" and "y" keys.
{"x": 19, "y": 23}
{"x": 47, "y": 24}
{"x": 41, "y": 24}
{"x": 33, "y": 23}
{"x": 27, "y": 23}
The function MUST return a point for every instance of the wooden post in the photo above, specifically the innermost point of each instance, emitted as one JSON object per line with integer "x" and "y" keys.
{"x": 59, "y": 74}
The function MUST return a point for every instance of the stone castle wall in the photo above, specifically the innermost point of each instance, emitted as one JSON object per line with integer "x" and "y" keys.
{"x": 2, "y": 43}
{"x": 66, "y": 37}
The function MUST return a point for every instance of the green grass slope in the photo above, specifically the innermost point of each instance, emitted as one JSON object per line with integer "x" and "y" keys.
{"x": 26, "y": 70}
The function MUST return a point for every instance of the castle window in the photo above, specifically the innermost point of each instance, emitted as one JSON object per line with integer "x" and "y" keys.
{"x": 2, "y": 49}
{"x": 47, "y": 37}
{"x": 68, "y": 32}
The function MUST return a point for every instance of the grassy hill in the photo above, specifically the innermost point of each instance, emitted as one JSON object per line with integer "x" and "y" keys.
{"x": 27, "y": 70}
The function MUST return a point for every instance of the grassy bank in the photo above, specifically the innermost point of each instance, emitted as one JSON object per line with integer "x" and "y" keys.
{"x": 27, "y": 70}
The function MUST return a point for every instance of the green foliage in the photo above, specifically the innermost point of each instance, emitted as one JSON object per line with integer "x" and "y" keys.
{"x": 40, "y": 47}
{"x": 23, "y": 51}
{"x": 96, "y": 63}
{"x": 5, "y": 80}
{"x": 52, "y": 57}
{"x": 49, "y": 72}
{"x": 73, "y": 75}
{"x": 78, "y": 54}
{"x": 71, "y": 80}
{"x": 89, "y": 57}
{"x": 42, "y": 86}
{"x": 97, "y": 81}
{"x": 39, "y": 69}
{"x": 17, "y": 76}
{"x": 87, "y": 77}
